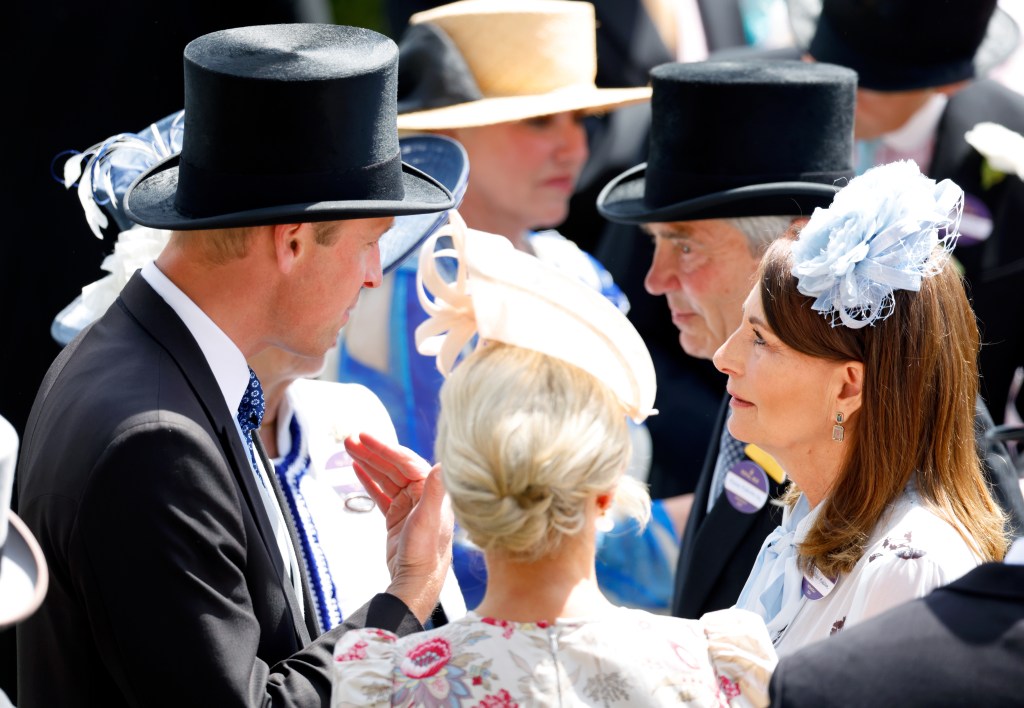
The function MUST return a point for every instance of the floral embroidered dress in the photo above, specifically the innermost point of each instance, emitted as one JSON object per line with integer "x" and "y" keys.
{"x": 911, "y": 552}
{"x": 625, "y": 657}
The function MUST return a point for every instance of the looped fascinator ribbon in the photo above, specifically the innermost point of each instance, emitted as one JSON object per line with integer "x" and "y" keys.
{"x": 106, "y": 170}
{"x": 501, "y": 294}
{"x": 885, "y": 231}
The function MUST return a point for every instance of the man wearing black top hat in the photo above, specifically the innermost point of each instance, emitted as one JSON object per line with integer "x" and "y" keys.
{"x": 921, "y": 88}
{"x": 740, "y": 152}
{"x": 174, "y": 577}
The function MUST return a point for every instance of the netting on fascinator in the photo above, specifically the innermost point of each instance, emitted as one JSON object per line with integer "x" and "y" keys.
{"x": 106, "y": 170}
{"x": 885, "y": 231}
{"x": 498, "y": 293}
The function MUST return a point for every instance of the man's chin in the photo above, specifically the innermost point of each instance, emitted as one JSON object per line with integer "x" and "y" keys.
{"x": 698, "y": 348}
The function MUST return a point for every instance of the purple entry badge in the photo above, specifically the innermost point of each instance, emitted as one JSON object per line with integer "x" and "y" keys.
{"x": 816, "y": 584}
{"x": 746, "y": 486}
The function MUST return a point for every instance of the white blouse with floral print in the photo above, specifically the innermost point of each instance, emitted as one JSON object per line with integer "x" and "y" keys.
{"x": 626, "y": 657}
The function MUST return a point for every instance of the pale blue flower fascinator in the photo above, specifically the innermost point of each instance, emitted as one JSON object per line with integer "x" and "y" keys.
{"x": 106, "y": 170}
{"x": 885, "y": 231}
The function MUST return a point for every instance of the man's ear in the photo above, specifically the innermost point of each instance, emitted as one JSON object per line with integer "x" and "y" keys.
{"x": 851, "y": 388}
{"x": 289, "y": 244}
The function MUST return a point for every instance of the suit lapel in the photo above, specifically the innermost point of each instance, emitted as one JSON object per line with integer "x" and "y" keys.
{"x": 161, "y": 322}
{"x": 698, "y": 512}
{"x": 310, "y": 621}
{"x": 712, "y": 539}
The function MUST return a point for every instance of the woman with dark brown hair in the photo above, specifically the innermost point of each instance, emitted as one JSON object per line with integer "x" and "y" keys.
{"x": 856, "y": 368}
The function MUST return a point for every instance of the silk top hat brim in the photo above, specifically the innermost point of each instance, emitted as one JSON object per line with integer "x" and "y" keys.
{"x": 23, "y": 572}
{"x": 286, "y": 123}
{"x": 733, "y": 138}
{"x": 622, "y": 200}
{"x": 151, "y": 202}
{"x": 946, "y": 44}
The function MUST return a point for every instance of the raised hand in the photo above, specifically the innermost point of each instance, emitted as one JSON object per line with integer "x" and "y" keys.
{"x": 418, "y": 518}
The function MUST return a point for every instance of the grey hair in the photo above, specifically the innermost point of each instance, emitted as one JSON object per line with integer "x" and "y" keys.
{"x": 761, "y": 231}
{"x": 525, "y": 441}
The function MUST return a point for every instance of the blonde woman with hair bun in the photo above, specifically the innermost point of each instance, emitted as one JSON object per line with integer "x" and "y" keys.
{"x": 542, "y": 376}
{"x": 532, "y": 452}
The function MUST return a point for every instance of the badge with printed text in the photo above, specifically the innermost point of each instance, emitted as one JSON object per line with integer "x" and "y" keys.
{"x": 816, "y": 584}
{"x": 746, "y": 486}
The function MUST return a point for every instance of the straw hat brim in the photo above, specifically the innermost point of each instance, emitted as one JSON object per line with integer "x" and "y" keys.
{"x": 504, "y": 109}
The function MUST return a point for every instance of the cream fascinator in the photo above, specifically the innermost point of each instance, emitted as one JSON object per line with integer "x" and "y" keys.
{"x": 501, "y": 294}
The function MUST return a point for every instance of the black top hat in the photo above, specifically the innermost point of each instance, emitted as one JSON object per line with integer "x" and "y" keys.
{"x": 901, "y": 45}
{"x": 286, "y": 123}
{"x": 739, "y": 138}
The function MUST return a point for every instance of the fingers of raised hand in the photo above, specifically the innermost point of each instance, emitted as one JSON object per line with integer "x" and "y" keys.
{"x": 391, "y": 468}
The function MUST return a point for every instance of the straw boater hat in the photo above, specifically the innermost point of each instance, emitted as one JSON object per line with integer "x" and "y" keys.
{"x": 481, "y": 62}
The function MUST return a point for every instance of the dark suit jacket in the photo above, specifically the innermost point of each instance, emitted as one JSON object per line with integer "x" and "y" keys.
{"x": 718, "y": 549}
{"x": 994, "y": 268}
{"x": 962, "y": 645}
{"x": 166, "y": 585}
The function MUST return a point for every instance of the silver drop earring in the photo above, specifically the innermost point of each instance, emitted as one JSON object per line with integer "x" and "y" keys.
{"x": 838, "y": 431}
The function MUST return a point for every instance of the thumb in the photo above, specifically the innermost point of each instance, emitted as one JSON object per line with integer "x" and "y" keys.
{"x": 435, "y": 497}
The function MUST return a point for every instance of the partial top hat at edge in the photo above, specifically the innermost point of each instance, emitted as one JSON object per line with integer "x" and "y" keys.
{"x": 903, "y": 45}
{"x": 732, "y": 138}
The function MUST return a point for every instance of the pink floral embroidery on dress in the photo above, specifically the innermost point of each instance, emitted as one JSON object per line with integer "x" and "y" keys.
{"x": 504, "y": 624}
{"x": 356, "y": 652}
{"x": 684, "y": 655}
{"x": 731, "y": 689}
{"x": 427, "y": 658}
{"x": 501, "y": 699}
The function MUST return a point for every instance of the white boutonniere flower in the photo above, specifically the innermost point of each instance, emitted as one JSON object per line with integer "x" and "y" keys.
{"x": 1002, "y": 150}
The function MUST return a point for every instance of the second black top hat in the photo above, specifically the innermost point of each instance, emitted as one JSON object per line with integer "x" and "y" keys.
{"x": 739, "y": 138}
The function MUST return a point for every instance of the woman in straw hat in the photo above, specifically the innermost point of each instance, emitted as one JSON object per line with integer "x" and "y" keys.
{"x": 511, "y": 81}
{"x": 856, "y": 368}
{"x": 533, "y": 445}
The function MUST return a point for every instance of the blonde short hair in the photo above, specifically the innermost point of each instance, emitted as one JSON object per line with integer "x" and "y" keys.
{"x": 524, "y": 440}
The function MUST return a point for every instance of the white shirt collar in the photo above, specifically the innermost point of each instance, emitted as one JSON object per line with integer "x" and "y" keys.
{"x": 225, "y": 359}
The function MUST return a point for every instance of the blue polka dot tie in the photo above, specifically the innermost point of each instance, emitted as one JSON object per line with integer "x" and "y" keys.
{"x": 250, "y": 415}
